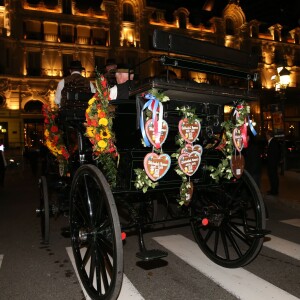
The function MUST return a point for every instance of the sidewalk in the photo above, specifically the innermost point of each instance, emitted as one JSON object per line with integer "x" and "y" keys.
{"x": 289, "y": 189}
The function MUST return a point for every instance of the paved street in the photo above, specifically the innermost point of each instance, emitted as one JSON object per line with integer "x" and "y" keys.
{"x": 30, "y": 270}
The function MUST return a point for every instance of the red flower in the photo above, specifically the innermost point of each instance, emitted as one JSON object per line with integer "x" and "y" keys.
{"x": 54, "y": 128}
{"x": 94, "y": 123}
{"x": 101, "y": 114}
{"x": 46, "y": 121}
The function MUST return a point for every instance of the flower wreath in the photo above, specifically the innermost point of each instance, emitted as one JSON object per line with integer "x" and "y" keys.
{"x": 188, "y": 113}
{"x": 223, "y": 170}
{"x": 99, "y": 122}
{"x": 53, "y": 135}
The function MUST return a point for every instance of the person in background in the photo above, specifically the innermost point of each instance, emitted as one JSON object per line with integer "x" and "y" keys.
{"x": 3, "y": 165}
{"x": 75, "y": 82}
{"x": 273, "y": 159}
{"x": 124, "y": 75}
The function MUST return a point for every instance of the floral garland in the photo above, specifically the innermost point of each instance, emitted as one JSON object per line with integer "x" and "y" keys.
{"x": 142, "y": 181}
{"x": 99, "y": 122}
{"x": 53, "y": 135}
{"x": 223, "y": 170}
{"x": 188, "y": 113}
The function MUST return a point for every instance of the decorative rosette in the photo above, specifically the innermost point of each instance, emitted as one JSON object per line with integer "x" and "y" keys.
{"x": 234, "y": 140}
{"x": 154, "y": 132}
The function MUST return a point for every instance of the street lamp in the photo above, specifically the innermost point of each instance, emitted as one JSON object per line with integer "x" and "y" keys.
{"x": 284, "y": 77}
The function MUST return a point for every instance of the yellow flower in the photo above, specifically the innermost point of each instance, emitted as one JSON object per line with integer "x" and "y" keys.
{"x": 90, "y": 131}
{"x": 103, "y": 121}
{"x": 102, "y": 144}
{"x": 46, "y": 133}
{"x": 88, "y": 110}
{"x": 105, "y": 134}
{"x": 91, "y": 101}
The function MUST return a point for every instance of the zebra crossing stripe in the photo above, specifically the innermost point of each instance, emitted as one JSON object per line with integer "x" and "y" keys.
{"x": 239, "y": 282}
{"x": 1, "y": 259}
{"x": 128, "y": 291}
{"x": 283, "y": 246}
{"x": 293, "y": 222}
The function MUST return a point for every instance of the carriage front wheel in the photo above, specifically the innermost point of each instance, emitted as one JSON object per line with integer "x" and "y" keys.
{"x": 96, "y": 234}
{"x": 228, "y": 221}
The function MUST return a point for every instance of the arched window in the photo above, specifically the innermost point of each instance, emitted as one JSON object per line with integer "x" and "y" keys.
{"x": 276, "y": 36}
{"x": 2, "y": 100}
{"x": 182, "y": 21}
{"x": 229, "y": 27}
{"x": 128, "y": 14}
{"x": 34, "y": 106}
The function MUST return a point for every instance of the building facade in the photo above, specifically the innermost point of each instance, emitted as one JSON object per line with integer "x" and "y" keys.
{"x": 39, "y": 38}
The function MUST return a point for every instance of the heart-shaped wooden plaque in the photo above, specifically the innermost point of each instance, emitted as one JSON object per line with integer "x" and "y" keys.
{"x": 156, "y": 165}
{"x": 237, "y": 165}
{"x": 149, "y": 128}
{"x": 189, "y": 131}
{"x": 237, "y": 139}
{"x": 188, "y": 148}
{"x": 189, "y": 162}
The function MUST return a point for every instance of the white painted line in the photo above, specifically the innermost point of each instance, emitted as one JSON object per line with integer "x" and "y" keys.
{"x": 283, "y": 246}
{"x": 239, "y": 282}
{"x": 293, "y": 222}
{"x": 128, "y": 291}
{"x": 1, "y": 259}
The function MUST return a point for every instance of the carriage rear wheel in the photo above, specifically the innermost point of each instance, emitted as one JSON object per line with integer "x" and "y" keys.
{"x": 235, "y": 214}
{"x": 43, "y": 210}
{"x": 96, "y": 234}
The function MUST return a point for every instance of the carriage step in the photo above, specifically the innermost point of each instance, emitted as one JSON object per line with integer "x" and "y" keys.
{"x": 151, "y": 254}
{"x": 257, "y": 233}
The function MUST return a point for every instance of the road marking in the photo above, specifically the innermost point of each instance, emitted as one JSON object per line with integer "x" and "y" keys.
{"x": 293, "y": 222}
{"x": 239, "y": 282}
{"x": 1, "y": 259}
{"x": 283, "y": 246}
{"x": 128, "y": 291}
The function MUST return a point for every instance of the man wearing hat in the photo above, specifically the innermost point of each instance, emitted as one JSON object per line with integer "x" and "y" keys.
{"x": 124, "y": 74}
{"x": 75, "y": 82}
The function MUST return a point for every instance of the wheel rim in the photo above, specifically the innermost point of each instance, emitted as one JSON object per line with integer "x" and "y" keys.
{"x": 233, "y": 210}
{"x": 44, "y": 209}
{"x": 95, "y": 234}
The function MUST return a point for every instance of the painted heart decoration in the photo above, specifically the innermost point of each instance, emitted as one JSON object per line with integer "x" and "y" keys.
{"x": 189, "y": 131}
{"x": 156, "y": 165}
{"x": 188, "y": 148}
{"x": 189, "y": 162}
{"x": 149, "y": 128}
{"x": 237, "y": 139}
{"x": 237, "y": 165}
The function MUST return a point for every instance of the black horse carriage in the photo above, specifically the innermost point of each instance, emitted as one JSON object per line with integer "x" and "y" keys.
{"x": 227, "y": 216}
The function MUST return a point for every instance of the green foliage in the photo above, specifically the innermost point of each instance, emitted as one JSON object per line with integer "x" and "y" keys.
{"x": 223, "y": 170}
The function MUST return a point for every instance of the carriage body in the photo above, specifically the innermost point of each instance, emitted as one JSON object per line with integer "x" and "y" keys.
{"x": 233, "y": 210}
